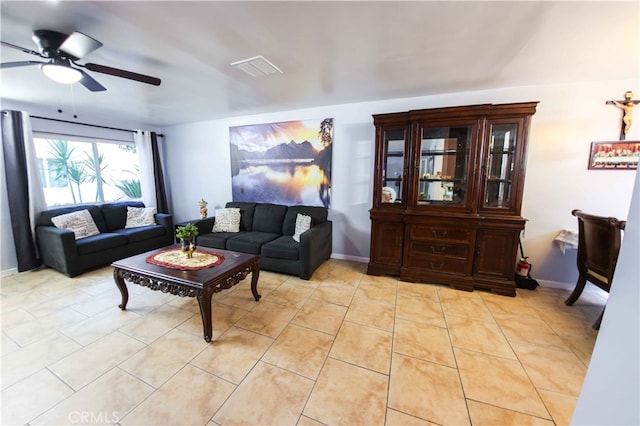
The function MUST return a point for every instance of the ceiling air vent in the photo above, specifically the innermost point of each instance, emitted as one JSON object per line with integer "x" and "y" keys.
{"x": 257, "y": 66}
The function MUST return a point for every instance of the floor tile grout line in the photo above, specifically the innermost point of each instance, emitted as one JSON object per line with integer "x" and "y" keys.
{"x": 564, "y": 341}
{"x": 74, "y": 391}
{"x": 393, "y": 342}
{"x": 455, "y": 357}
{"x": 155, "y": 389}
{"x": 245, "y": 376}
{"x": 324, "y": 363}
{"x": 274, "y": 339}
{"x": 224, "y": 379}
{"x": 528, "y": 375}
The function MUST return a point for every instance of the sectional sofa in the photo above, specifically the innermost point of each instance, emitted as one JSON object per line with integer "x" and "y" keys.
{"x": 270, "y": 231}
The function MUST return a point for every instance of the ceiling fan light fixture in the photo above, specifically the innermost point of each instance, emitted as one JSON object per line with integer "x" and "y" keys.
{"x": 63, "y": 74}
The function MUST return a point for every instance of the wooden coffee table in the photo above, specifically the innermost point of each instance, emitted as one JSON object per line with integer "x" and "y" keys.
{"x": 200, "y": 284}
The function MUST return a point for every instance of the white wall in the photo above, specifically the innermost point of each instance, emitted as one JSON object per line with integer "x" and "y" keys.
{"x": 568, "y": 118}
{"x": 611, "y": 389}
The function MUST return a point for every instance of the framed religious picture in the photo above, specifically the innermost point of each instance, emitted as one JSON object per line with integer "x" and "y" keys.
{"x": 622, "y": 155}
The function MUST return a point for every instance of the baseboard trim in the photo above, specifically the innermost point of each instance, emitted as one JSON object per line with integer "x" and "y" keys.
{"x": 8, "y": 272}
{"x": 348, "y": 257}
{"x": 555, "y": 284}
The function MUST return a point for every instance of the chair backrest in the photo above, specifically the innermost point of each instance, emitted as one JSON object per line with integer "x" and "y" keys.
{"x": 599, "y": 241}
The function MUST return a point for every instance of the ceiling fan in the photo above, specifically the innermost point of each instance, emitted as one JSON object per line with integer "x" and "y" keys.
{"x": 63, "y": 51}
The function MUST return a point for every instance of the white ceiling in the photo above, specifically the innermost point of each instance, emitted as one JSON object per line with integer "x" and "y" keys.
{"x": 330, "y": 52}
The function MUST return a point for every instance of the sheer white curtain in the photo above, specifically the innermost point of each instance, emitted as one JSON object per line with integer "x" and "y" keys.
{"x": 145, "y": 157}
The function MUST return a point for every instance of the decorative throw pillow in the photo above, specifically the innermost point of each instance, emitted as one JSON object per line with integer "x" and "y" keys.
{"x": 80, "y": 223}
{"x": 303, "y": 223}
{"x": 140, "y": 216}
{"x": 227, "y": 220}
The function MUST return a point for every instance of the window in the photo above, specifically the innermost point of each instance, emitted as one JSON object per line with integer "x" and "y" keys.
{"x": 79, "y": 170}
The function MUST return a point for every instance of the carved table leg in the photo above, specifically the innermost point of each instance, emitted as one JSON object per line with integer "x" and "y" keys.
{"x": 204, "y": 301}
{"x": 122, "y": 287}
{"x": 255, "y": 273}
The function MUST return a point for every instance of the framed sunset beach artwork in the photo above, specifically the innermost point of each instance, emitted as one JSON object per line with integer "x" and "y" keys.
{"x": 282, "y": 163}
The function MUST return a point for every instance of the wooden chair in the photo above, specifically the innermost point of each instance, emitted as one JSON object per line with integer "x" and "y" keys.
{"x": 599, "y": 241}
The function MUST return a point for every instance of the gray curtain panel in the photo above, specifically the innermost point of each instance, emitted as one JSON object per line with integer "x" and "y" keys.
{"x": 15, "y": 168}
{"x": 161, "y": 193}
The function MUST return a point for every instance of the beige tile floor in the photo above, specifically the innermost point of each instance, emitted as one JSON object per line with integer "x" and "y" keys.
{"x": 343, "y": 348}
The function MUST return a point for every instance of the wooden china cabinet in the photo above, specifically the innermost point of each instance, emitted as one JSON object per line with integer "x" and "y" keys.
{"x": 447, "y": 195}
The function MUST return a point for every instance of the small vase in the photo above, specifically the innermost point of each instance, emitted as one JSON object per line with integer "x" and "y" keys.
{"x": 188, "y": 246}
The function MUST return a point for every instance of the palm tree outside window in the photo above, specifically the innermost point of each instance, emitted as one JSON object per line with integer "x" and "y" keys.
{"x": 87, "y": 171}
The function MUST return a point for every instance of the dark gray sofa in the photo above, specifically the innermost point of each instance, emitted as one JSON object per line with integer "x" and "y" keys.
{"x": 267, "y": 229}
{"x": 61, "y": 251}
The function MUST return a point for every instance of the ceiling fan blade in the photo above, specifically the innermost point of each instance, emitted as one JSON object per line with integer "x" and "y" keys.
{"x": 123, "y": 74}
{"x": 22, "y": 49}
{"x": 20, "y": 64}
{"x": 90, "y": 83}
{"x": 79, "y": 45}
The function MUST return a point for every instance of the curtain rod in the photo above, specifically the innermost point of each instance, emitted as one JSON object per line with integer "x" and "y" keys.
{"x": 90, "y": 125}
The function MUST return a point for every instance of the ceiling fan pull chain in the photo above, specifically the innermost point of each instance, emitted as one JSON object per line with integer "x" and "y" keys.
{"x": 59, "y": 103}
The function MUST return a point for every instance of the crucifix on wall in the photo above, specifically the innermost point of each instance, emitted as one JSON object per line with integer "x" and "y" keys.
{"x": 627, "y": 112}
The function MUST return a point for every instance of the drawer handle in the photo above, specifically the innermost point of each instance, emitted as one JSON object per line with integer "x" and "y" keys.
{"x": 439, "y": 235}
{"x": 436, "y": 267}
{"x": 435, "y": 250}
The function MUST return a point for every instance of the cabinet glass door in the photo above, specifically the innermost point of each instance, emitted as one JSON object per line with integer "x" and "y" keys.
{"x": 393, "y": 166}
{"x": 500, "y": 165}
{"x": 443, "y": 165}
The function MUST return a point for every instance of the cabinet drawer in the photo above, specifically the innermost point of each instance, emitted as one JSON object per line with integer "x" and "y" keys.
{"x": 440, "y": 233}
{"x": 438, "y": 264}
{"x": 439, "y": 248}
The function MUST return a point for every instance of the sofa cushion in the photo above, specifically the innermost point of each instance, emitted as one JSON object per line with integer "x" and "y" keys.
{"x": 247, "y": 211}
{"x": 115, "y": 214}
{"x": 80, "y": 223}
{"x": 140, "y": 216}
{"x": 283, "y": 247}
{"x": 250, "y": 242}
{"x": 215, "y": 239}
{"x": 227, "y": 220}
{"x": 141, "y": 233}
{"x": 100, "y": 242}
{"x": 318, "y": 215}
{"x": 44, "y": 218}
{"x": 268, "y": 218}
{"x": 303, "y": 224}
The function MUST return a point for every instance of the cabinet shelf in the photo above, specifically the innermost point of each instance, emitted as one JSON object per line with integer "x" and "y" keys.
{"x": 441, "y": 180}
{"x": 444, "y": 152}
{"x": 498, "y": 180}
